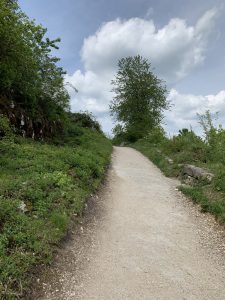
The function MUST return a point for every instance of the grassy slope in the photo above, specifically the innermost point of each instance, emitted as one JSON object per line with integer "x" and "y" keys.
{"x": 52, "y": 183}
{"x": 211, "y": 197}
{"x": 153, "y": 152}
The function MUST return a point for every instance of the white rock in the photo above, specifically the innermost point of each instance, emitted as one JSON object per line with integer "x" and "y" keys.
{"x": 22, "y": 206}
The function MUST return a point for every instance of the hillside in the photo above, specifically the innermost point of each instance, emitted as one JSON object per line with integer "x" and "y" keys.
{"x": 43, "y": 187}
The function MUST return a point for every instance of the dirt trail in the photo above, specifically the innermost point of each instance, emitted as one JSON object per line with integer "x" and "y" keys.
{"x": 148, "y": 243}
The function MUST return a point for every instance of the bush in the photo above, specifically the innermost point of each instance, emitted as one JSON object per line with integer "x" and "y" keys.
{"x": 133, "y": 134}
{"x": 184, "y": 144}
{"x": 85, "y": 120}
{"x": 5, "y": 129}
{"x": 214, "y": 138}
{"x": 156, "y": 136}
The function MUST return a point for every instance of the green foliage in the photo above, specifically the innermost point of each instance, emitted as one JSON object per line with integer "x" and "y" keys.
{"x": 42, "y": 186}
{"x": 206, "y": 122}
{"x": 208, "y": 204}
{"x": 85, "y": 119}
{"x": 187, "y": 147}
{"x": 183, "y": 144}
{"x": 74, "y": 128}
{"x": 156, "y": 136}
{"x": 29, "y": 74}
{"x": 119, "y": 134}
{"x": 220, "y": 180}
{"x": 5, "y": 128}
{"x": 140, "y": 97}
{"x": 153, "y": 151}
{"x": 214, "y": 138}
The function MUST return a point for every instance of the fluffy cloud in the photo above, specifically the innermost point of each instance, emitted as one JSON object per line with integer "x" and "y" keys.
{"x": 174, "y": 51}
{"x": 185, "y": 108}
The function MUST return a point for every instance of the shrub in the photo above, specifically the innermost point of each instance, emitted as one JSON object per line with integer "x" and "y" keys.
{"x": 5, "y": 129}
{"x": 214, "y": 137}
{"x": 156, "y": 136}
{"x": 86, "y": 120}
{"x": 184, "y": 144}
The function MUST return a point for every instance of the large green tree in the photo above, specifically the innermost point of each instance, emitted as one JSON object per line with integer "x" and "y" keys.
{"x": 30, "y": 76}
{"x": 139, "y": 97}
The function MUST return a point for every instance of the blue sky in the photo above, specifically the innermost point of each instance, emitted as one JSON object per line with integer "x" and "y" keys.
{"x": 184, "y": 41}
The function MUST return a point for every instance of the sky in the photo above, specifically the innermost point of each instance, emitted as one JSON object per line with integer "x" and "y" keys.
{"x": 183, "y": 40}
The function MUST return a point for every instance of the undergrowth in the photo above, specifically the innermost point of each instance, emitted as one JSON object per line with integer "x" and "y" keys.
{"x": 42, "y": 186}
{"x": 209, "y": 201}
{"x": 170, "y": 154}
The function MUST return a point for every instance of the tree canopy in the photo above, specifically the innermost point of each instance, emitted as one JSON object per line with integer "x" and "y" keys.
{"x": 29, "y": 74}
{"x": 140, "y": 97}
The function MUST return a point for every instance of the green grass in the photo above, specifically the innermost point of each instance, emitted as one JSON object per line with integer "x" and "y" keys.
{"x": 210, "y": 196}
{"x": 154, "y": 153}
{"x": 209, "y": 203}
{"x": 51, "y": 183}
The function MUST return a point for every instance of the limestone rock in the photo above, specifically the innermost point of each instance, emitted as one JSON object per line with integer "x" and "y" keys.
{"x": 197, "y": 173}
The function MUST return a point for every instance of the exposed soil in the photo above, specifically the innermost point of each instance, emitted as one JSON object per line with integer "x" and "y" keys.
{"x": 141, "y": 239}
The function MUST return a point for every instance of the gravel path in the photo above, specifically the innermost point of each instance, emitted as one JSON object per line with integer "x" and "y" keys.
{"x": 146, "y": 242}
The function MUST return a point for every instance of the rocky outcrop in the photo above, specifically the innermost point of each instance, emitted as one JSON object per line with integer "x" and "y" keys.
{"x": 23, "y": 123}
{"x": 197, "y": 173}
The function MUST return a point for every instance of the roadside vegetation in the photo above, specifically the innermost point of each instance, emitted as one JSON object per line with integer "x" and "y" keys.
{"x": 170, "y": 154}
{"x": 32, "y": 88}
{"x": 43, "y": 187}
{"x": 51, "y": 160}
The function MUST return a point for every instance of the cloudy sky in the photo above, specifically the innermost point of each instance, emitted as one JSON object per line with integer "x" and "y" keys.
{"x": 183, "y": 40}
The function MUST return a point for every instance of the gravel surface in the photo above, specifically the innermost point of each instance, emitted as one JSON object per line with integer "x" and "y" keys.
{"x": 141, "y": 239}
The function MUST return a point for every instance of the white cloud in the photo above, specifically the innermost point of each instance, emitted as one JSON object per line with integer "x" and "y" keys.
{"x": 185, "y": 108}
{"x": 174, "y": 51}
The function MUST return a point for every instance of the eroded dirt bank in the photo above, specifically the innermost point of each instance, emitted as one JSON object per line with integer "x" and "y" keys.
{"x": 148, "y": 242}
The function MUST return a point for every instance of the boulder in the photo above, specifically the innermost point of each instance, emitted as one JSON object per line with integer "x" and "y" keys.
{"x": 197, "y": 173}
